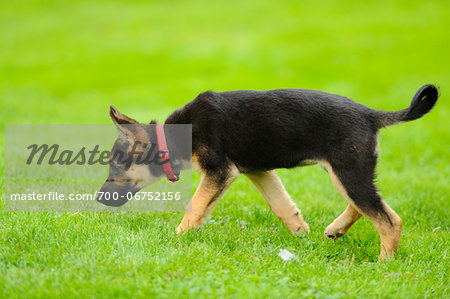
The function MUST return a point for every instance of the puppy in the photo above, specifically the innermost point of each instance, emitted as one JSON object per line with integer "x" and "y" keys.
{"x": 255, "y": 132}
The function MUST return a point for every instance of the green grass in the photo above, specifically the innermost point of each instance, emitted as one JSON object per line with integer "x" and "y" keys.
{"x": 65, "y": 62}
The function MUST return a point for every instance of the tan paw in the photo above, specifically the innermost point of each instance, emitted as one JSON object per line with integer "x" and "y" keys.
{"x": 333, "y": 232}
{"x": 301, "y": 228}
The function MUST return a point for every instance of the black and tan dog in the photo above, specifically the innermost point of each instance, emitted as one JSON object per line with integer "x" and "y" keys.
{"x": 255, "y": 132}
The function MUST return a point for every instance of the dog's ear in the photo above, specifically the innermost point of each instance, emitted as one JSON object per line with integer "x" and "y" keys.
{"x": 124, "y": 124}
{"x": 119, "y": 118}
{"x": 153, "y": 122}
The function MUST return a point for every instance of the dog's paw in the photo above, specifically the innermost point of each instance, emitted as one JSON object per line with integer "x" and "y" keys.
{"x": 332, "y": 233}
{"x": 179, "y": 230}
{"x": 301, "y": 229}
{"x": 182, "y": 229}
{"x": 185, "y": 227}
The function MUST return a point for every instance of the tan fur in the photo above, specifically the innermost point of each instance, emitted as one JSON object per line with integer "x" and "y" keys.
{"x": 205, "y": 199}
{"x": 377, "y": 145}
{"x": 273, "y": 191}
{"x": 118, "y": 118}
{"x": 342, "y": 224}
{"x": 195, "y": 163}
{"x": 141, "y": 174}
{"x": 389, "y": 234}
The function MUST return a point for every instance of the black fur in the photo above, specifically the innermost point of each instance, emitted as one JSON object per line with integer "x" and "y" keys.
{"x": 285, "y": 128}
{"x": 422, "y": 102}
{"x": 254, "y": 131}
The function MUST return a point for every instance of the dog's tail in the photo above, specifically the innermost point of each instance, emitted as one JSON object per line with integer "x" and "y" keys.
{"x": 422, "y": 102}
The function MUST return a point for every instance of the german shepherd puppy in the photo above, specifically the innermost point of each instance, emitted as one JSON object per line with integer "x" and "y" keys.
{"x": 255, "y": 132}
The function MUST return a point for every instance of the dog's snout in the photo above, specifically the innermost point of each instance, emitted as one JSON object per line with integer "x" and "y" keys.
{"x": 115, "y": 195}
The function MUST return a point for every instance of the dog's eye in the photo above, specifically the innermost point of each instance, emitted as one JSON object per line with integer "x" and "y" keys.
{"x": 115, "y": 164}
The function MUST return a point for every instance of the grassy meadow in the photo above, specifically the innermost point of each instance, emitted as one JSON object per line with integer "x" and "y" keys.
{"x": 65, "y": 62}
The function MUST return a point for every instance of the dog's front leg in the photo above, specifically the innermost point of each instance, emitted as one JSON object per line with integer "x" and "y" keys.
{"x": 271, "y": 188}
{"x": 210, "y": 190}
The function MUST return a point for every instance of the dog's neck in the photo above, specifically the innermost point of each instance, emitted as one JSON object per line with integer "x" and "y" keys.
{"x": 179, "y": 145}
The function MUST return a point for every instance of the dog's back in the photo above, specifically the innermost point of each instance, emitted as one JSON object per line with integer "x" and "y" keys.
{"x": 262, "y": 130}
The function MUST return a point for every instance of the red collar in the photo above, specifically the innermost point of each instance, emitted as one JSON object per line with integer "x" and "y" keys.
{"x": 164, "y": 156}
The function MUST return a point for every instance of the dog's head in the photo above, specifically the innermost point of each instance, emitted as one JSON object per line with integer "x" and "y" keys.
{"x": 129, "y": 163}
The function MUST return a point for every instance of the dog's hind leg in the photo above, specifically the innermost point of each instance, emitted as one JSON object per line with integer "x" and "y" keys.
{"x": 355, "y": 183}
{"x": 342, "y": 224}
{"x": 271, "y": 188}
{"x": 210, "y": 190}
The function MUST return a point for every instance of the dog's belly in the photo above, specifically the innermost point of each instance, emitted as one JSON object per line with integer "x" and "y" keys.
{"x": 266, "y": 165}
{"x": 307, "y": 163}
